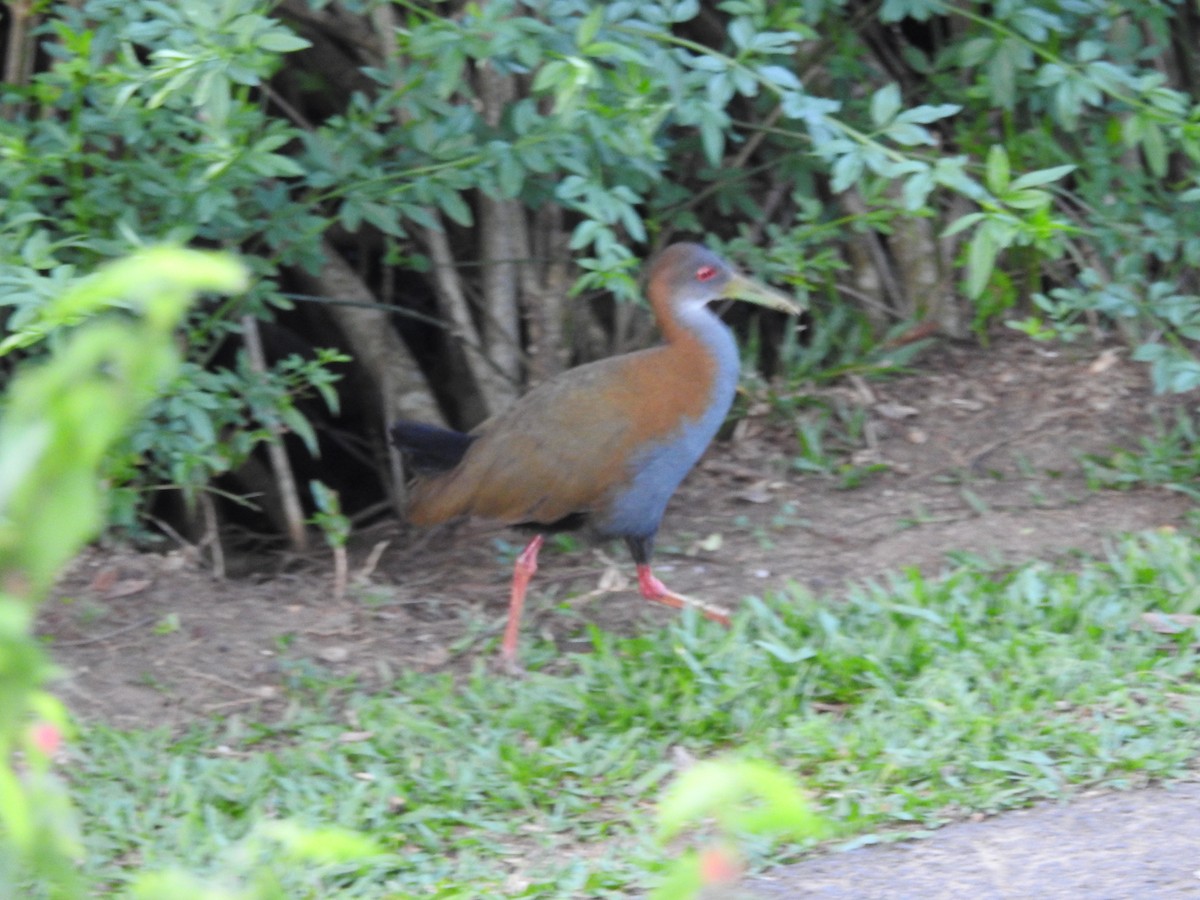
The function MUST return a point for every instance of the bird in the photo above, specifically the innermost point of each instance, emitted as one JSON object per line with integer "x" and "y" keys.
{"x": 602, "y": 446}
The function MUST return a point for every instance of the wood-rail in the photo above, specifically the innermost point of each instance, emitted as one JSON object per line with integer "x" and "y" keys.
{"x": 601, "y": 446}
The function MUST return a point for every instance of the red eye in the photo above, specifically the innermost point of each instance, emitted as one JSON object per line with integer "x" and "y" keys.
{"x": 706, "y": 273}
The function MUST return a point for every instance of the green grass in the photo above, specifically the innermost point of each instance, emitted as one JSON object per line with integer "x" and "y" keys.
{"x": 1170, "y": 457}
{"x": 907, "y": 703}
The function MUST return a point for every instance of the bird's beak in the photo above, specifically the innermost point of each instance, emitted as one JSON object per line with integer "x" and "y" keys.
{"x": 739, "y": 287}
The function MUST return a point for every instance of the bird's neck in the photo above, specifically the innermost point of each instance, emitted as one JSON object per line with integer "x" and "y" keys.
{"x": 696, "y": 329}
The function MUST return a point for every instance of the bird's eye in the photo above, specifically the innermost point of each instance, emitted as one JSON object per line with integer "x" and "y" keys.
{"x": 706, "y": 273}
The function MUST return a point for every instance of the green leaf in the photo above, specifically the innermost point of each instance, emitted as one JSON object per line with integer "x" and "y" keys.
{"x": 589, "y": 27}
{"x": 551, "y": 75}
{"x": 1041, "y": 176}
{"x": 1002, "y": 69}
{"x": 909, "y": 135}
{"x": 611, "y": 52}
{"x": 997, "y": 172}
{"x": 421, "y": 215}
{"x": 682, "y": 881}
{"x": 951, "y": 172}
{"x": 685, "y": 10}
{"x": 712, "y": 138}
{"x": 328, "y": 844}
{"x": 741, "y": 32}
{"x": 744, "y": 796}
{"x": 510, "y": 175}
{"x": 453, "y": 205}
{"x": 1154, "y": 147}
{"x": 780, "y": 77}
{"x": 981, "y": 260}
{"x": 846, "y": 171}
{"x": 923, "y": 115}
{"x": 976, "y": 50}
{"x": 383, "y": 216}
{"x": 885, "y": 103}
{"x": 916, "y": 190}
{"x": 280, "y": 41}
{"x": 767, "y": 42}
{"x": 1027, "y": 199}
{"x": 299, "y": 425}
{"x": 1051, "y": 74}
{"x": 584, "y": 234}
{"x": 707, "y": 62}
{"x": 274, "y": 165}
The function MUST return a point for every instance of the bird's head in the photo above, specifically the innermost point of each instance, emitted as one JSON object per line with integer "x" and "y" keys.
{"x": 689, "y": 275}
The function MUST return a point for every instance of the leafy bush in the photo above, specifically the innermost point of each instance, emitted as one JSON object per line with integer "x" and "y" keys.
{"x": 1038, "y": 159}
{"x": 59, "y": 419}
{"x": 110, "y": 151}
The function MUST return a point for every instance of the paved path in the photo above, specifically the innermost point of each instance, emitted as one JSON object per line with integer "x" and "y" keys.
{"x": 1110, "y": 846}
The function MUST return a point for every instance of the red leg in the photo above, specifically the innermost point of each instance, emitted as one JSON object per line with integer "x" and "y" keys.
{"x": 653, "y": 589}
{"x": 522, "y": 572}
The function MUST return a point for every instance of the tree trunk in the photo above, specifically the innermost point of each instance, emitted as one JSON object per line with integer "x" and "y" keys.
{"x": 545, "y": 280}
{"x": 502, "y": 231}
{"x": 397, "y": 386}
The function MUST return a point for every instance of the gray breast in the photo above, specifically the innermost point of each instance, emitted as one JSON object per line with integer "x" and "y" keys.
{"x": 658, "y": 469}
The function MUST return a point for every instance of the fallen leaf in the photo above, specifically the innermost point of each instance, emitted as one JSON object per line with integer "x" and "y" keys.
{"x": 890, "y": 410}
{"x": 612, "y": 579}
{"x": 433, "y": 658}
{"x": 865, "y": 394}
{"x": 127, "y": 588}
{"x": 758, "y": 492}
{"x": 103, "y": 580}
{"x": 334, "y": 654}
{"x": 918, "y": 332}
{"x": 1105, "y": 361}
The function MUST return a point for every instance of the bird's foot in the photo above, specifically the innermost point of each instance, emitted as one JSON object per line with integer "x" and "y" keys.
{"x": 654, "y": 590}
{"x": 523, "y": 571}
{"x": 509, "y": 665}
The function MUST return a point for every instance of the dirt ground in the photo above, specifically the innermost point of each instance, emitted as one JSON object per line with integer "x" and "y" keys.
{"x": 979, "y": 453}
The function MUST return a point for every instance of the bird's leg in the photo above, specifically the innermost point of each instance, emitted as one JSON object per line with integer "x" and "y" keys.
{"x": 523, "y": 571}
{"x": 653, "y": 589}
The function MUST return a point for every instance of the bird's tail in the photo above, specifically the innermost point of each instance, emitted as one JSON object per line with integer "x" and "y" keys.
{"x": 429, "y": 448}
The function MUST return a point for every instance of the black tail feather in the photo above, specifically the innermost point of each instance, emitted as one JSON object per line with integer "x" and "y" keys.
{"x": 429, "y": 448}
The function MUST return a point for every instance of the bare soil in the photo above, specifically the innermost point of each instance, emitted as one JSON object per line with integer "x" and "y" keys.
{"x": 979, "y": 453}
